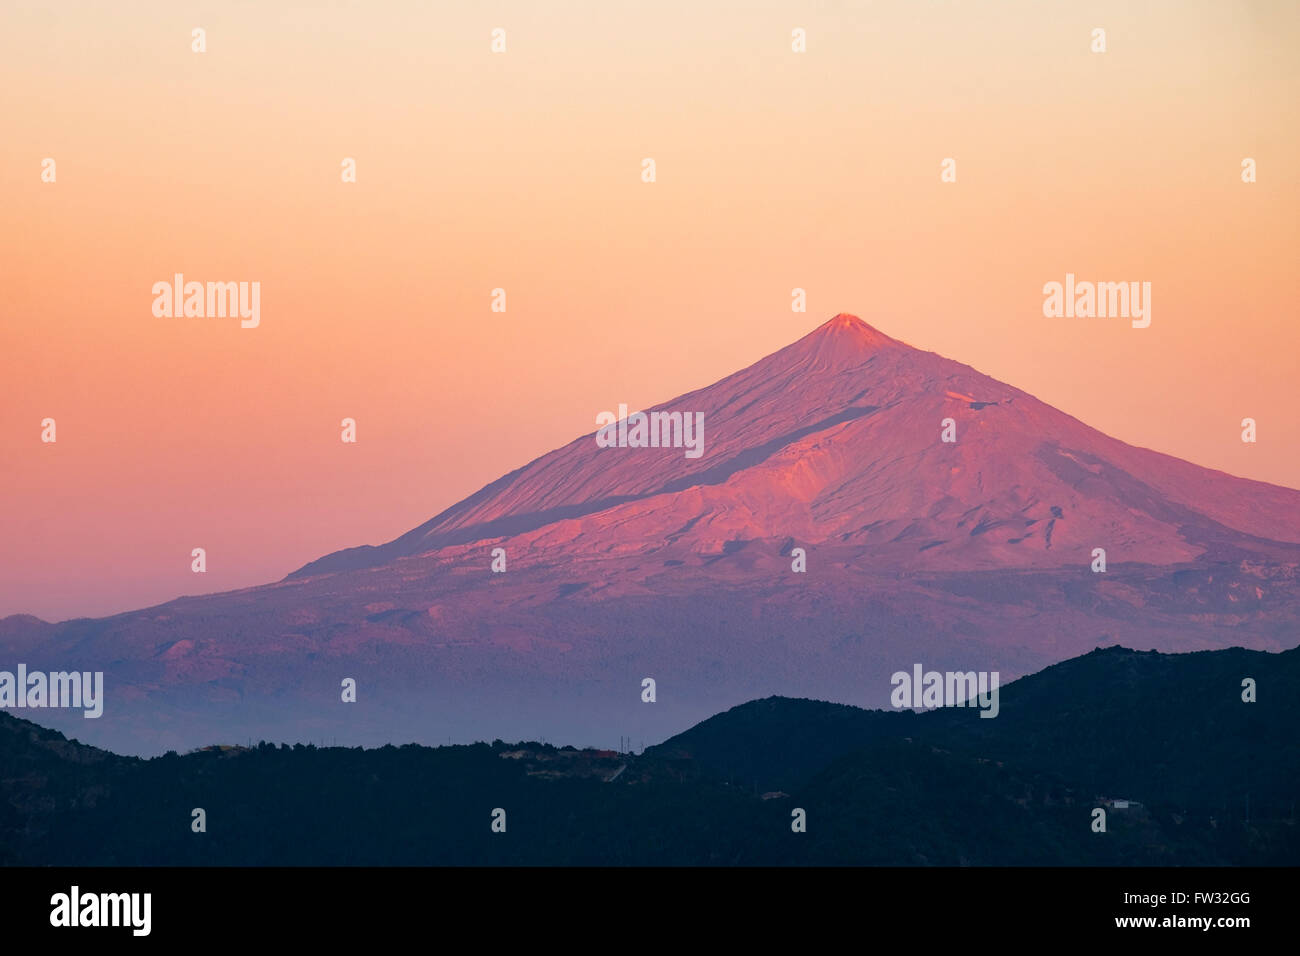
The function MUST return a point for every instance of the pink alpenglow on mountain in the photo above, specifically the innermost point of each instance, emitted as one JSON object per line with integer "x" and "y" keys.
{"x": 975, "y": 553}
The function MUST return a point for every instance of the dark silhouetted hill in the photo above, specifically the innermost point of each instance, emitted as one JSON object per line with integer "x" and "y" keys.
{"x": 1211, "y": 780}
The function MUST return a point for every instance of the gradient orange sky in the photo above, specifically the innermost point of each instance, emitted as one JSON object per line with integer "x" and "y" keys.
{"x": 522, "y": 170}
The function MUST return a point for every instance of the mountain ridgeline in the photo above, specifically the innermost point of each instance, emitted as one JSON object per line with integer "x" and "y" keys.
{"x": 1209, "y": 779}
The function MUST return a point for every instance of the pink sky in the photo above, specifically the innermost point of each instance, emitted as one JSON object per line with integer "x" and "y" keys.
{"x": 522, "y": 170}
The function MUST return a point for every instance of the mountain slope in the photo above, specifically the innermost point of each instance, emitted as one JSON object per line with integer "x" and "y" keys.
{"x": 837, "y": 437}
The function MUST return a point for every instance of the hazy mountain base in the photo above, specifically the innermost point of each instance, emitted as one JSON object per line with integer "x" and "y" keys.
{"x": 570, "y": 670}
{"x": 1216, "y": 779}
